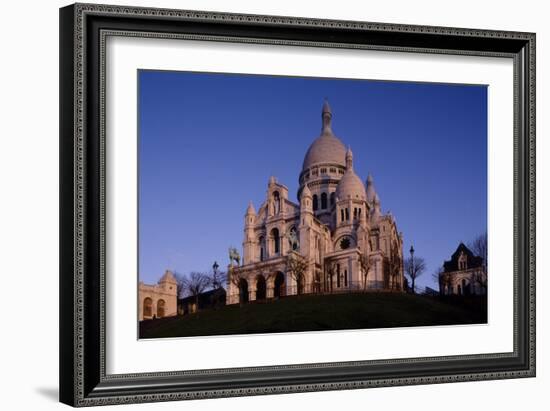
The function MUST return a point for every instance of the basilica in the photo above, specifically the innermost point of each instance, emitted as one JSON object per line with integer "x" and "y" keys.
{"x": 335, "y": 239}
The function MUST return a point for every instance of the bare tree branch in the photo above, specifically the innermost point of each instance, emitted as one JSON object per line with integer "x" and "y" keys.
{"x": 365, "y": 264}
{"x": 414, "y": 267}
{"x": 296, "y": 267}
{"x": 194, "y": 284}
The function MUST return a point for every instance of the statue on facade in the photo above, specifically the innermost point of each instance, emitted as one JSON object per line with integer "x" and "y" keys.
{"x": 293, "y": 240}
{"x": 234, "y": 256}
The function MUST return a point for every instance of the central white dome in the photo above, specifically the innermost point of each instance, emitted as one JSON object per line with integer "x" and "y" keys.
{"x": 326, "y": 149}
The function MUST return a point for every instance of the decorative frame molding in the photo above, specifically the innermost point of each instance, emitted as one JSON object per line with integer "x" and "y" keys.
{"x": 83, "y": 32}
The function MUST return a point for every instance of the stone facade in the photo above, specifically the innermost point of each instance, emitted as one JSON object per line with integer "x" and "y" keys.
{"x": 158, "y": 300}
{"x": 464, "y": 274}
{"x": 337, "y": 229}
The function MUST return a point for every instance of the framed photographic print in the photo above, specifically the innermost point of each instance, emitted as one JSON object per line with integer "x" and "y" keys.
{"x": 261, "y": 204}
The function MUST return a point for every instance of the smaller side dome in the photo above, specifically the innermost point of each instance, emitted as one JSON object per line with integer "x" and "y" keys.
{"x": 350, "y": 186}
{"x": 168, "y": 277}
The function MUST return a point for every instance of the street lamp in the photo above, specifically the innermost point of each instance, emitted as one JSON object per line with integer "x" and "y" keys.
{"x": 215, "y": 279}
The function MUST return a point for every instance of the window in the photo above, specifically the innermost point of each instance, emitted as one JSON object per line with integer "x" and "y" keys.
{"x": 147, "y": 308}
{"x": 323, "y": 201}
{"x": 315, "y": 202}
{"x": 332, "y": 195}
{"x": 332, "y": 170}
{"x": 355, "y": 213}
{"x": 342, "y": 214}
{"x": 276, "y": 240}
{"x": 161, "y": 309}
{"x": 262, "y": 250}
{"x": 338, "y": 275}
{"x": 347, "y": 214}
{"x": 345, "y": 278}
{"x": 345, "y": 243}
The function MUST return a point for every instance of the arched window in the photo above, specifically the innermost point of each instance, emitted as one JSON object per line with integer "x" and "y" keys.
{"x": 332, "y": 196}
{"x": 323, "y": 201}
{"x": 161, "y": 309}
{"x": 262, "y": 248}
{"x": 276, "y": 202}
{"x": 342, "y": 214}
{"x": 347, "y": 214}
{"x": 315, "y": 202}
{"x": 276, "y": 240}
{"x": 147, "y": 308}
{"x": 345, "y": 243}
{"x": 337, "y": 275}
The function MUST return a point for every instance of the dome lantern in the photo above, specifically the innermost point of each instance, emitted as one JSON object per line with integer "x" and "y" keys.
{"x": 327, "y": 148}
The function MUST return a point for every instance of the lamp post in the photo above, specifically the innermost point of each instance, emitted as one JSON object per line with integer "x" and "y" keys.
{"x": 215, "y": 267}
{"x": 411, "y": 273}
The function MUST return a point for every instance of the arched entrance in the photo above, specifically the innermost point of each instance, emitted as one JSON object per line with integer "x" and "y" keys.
{"x": 147, "y": 308}
{"x": 279, "y": 285}
{"x": 466, "y": 287}
{"x": 260, "y": 288}
{"x": 243, "y": 291}
{"x": 161, "y": 308}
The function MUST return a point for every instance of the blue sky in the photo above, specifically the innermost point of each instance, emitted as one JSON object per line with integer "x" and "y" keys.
{"x": 209, "y": 142}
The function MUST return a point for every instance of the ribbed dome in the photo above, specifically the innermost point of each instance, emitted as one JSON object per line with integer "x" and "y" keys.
{"x": 327, "y": 148}
{"x": 350, "y": 186}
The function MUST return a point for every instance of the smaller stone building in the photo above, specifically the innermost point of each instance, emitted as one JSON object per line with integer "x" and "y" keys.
{"x": 464, "y": 274}
{"x": 158, "y": 300}
{"x": 211, "y": 299}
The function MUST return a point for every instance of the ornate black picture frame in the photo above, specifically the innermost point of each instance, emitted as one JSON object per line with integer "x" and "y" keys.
{"x": 83, "y": 30}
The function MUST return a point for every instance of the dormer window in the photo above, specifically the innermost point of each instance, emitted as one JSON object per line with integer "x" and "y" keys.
{"x": 462, "y": 262}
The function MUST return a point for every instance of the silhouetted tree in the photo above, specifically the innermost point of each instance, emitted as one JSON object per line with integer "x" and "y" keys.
{"x": 414, "y": 267}
{"x": 394, "y": 265}
{"x": 180, "y": 280}
{"x": 479, "y": 247}
{"x": 296, "y": 267}
{"x": 364, "y": 265}
{"x": 442, "y": 279}
{"x": 194, "y": 284}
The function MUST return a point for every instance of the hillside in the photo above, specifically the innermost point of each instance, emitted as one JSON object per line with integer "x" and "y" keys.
{"x": 321, "y": 312}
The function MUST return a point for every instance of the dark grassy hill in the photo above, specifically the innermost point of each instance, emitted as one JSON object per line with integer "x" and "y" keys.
{"x": 322, "y": 312}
